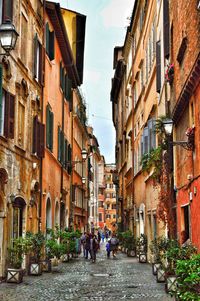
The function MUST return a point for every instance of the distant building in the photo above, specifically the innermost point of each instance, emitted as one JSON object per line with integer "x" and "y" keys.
{"x": 110, "y": 198}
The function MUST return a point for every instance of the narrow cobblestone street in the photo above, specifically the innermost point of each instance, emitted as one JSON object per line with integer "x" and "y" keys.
{"x": 122, "y": 278}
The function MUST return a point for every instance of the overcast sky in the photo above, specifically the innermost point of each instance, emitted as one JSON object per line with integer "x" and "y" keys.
{"x": 105, "y": 28}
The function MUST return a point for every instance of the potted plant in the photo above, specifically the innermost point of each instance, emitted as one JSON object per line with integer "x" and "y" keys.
{"x": 129, "y": 243}
{"x": 172, "y": 254}
{"x": 155, "y": 254}
{"x": 54, "y": 249}
{"x": 37, "y": 243}
{"x": 142, "y": 248}
{"x": 188, "y": 279}
{"x": 20, "y": 247}
{"x": 169, "y": 73}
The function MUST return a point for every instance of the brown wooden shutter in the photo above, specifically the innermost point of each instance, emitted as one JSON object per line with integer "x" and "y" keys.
{"x": 7, "y": 10}
{"x": 40, "y": 146}
{"x": 41, "y": 66}
{"x": 51, "y": 45}
{"x": 158, "y": 66}
{"x": 35, "y": 132}
{"x": 6, "y": 121}
{"x": 47, "y": 38}
{"x": 166, "y": 27}
{"x": 12, "y": 117}
{"x": 35, "y": 45}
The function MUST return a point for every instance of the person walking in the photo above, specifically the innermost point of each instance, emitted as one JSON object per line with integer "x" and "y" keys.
{"x": 87, "y": 245}
{"x": 108, "y": 248}
{"x": 114, "y": 242}
{"x": 102, "y": 236}
{"x": 83, "y": 243}
{"x": 93, "y": 247}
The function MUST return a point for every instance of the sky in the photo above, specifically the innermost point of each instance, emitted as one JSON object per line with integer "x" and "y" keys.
{"x": 106, "y": 25}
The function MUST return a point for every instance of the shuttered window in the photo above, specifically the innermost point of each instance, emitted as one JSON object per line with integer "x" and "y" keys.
{"x": 38, "y": 137}
{"x": 166, "y": 27}
{"x": 68, "y": 89}
{"x": 61, "y": 145}
{"x": 37, "y": 61}
{"x": 49, "y": 128}
{"x": 158, "y": 66}
{"x": 66, "y": 154}
{"x": 9, "y": 115}
{"x": 7, "y": 10}
{"x": 146, "y": 140}
{"x": 50, "y": 43}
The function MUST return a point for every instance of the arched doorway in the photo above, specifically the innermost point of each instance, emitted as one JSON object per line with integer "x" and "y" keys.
{"x": 57, "y": 215}
{"x": 62, "y": 216}
{"x": 48, "y": 214}
{"x": 19, "y": 205}
{"x": 142, "y": 218}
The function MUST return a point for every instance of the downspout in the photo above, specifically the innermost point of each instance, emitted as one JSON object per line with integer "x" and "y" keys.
{"x": 42, "y": 111}
{"x": 61, "y": 177}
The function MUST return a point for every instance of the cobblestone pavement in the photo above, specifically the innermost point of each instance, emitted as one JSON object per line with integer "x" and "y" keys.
{"x": 111, "y": 279}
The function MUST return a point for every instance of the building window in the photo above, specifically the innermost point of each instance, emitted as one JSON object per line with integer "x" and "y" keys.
{"x": 38, "y": 137}
{"x": 49, "y": 43}
{"x": 49, "y": 128}
{"x": 100, "y": 217}
{"x": 6, "y": 10}
{"x": 114, "y": 216}
{"x": 185, "y": 233}
{"x": 21, "y": 124}
{"x": 113, "y": 206}
{"x": 24, "y": 31}
{"x": 7, "y": 114}
{"x": 108, "y": 216}
{"x": 37, "y": 60}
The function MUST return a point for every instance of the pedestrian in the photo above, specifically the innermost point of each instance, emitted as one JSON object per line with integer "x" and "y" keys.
{"x": 107, "y": 235}
{"x": 108, "y": 248}
{"x": 93, "y": 247}
{"x": 99, "y": 238}
{"x": 83, "y": 242}
{"x": 102, "y": 236}
{"x": 114, "y": 242}
{"x": 87, "y": 245}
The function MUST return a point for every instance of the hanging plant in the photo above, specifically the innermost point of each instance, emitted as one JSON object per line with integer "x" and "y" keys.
{"x": 169, "y": 73}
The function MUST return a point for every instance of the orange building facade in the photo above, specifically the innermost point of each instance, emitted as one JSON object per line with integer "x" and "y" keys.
{"x": 185, "y": 112}
{"x": 57, "y": 107}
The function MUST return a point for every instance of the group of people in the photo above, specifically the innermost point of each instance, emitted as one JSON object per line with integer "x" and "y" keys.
{"x": 91, "y": 244}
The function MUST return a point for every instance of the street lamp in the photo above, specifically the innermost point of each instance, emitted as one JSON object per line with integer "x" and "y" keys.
{"x": 84, "y": 154}
{"x": 8, "y": 37}
{"x": 189, "y": 144}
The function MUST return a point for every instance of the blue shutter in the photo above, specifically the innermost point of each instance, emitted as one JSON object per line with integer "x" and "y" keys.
{"x": 142, "y": 145}
{"x": 150, "y": 134}
{"x": 145, "y": 135}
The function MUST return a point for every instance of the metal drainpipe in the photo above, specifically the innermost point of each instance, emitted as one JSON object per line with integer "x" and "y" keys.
{"x": 61, "y": 177}
{"x": 42, "y": 109}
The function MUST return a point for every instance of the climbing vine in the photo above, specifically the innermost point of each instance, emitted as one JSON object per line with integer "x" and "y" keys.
{"x": 157, "y": 163}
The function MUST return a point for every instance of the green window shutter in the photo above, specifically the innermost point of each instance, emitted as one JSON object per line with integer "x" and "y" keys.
{"x": 1, "y": 98}
{"x": 69, "y": 89}
{"x": 63, "y": 79}
{"x": 59, "y": 142}
{"x": 51, "y": 130}
{"x": 62, "y": 147}
{"x": 47, "y": 126}
{"x": 66, "y": 86}
{"x": 47, "y": 38}
{"x": 61, "y": 74}
{"x": 66, "y": 154}
{"x": 51, "y": 46}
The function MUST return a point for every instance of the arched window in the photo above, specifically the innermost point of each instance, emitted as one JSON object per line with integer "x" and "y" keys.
{"x": 48, "y": 214}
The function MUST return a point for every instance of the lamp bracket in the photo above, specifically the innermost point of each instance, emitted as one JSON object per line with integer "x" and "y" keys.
{"x": 186, "y": 145}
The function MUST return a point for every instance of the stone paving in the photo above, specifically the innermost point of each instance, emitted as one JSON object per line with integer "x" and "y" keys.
{"x": 111, "y": 279}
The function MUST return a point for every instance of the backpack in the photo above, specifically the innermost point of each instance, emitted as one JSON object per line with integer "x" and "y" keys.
{"x": 113, "y": 241}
